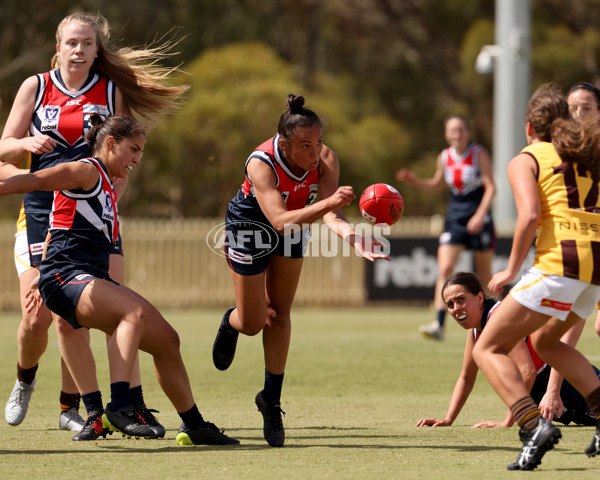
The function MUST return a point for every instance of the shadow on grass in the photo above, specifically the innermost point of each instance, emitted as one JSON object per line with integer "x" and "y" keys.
{"x": 251, "y": 439}
{"x": 330, "y": 437}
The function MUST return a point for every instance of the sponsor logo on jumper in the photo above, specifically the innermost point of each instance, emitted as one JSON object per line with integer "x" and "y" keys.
{"x": 579, "y": 226}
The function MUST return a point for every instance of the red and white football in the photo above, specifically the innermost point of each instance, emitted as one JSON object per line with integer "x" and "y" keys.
{"x": 381, "y": 203}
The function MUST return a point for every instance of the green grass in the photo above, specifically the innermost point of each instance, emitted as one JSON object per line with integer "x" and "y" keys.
{"x": 356, "y": 383}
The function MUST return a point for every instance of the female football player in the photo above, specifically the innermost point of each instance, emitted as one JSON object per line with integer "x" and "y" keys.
{"x": 74, "y": 279}
{"x": 267, "y": 232}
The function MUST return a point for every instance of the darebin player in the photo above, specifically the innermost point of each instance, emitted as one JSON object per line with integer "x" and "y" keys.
{"x": 282, "y": 178}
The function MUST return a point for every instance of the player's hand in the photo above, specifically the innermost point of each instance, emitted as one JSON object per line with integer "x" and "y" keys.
{"x": 33, "y": 298}
{"x": 39, "y": 144}
{"x": 475, "y": 225}
{"x": 433, "y": 422}
{"x": 499, "y": 280}
{"x": 369, "y": 248}
{"x": 490, "y": 424}
{"x": 550, "y": 405}
{"x": 404, "y": 175}
{"x": 342, "y": 197}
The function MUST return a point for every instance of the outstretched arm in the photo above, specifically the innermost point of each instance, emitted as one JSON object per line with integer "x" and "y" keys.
{"x": 435, "y": 183}
{"x": 66, "y": 176}
{"x": 462, "y": 389}
{"x": 335, "y": 219}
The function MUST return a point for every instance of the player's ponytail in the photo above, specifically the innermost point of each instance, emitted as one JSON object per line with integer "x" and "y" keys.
{"x": 296, "y": 116}
{"x": 91, "y": 135}
{"x": 545, "y": 106}
{"x": 116, "y": 126}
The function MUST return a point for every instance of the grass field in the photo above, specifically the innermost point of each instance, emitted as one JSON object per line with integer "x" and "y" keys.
{"x": 357, "y": 382}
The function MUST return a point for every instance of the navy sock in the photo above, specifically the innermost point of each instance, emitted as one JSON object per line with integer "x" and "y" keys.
{"x": 441, "y": 317}
{"x": 225, "y": 321}
{"x": 272, "y": 390}
{"x": 137, "y": 396}
{"x": 192, "y": 418}
{"x": 93, "y": 402}
{"x": 119, "y": 396}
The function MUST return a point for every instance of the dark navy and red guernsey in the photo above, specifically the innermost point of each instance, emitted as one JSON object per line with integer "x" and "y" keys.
{"x": 84, "y": 225}
{"x": 463, "y": 177}
{"x": 297, "y": 191}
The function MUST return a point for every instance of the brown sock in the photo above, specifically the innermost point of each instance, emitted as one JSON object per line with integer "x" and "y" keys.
{"x": 26, "y": 375}
{"x": 593, "y": 401}
{"x": 69, "y": 400}
{"x": 526, "y": 413}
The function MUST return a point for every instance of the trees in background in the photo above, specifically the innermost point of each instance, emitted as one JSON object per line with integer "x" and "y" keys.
{"x": 383, "y": 74}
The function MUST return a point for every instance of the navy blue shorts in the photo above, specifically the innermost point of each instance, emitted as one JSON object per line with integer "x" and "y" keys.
{"x": 457, "y": 234}
{"x": 61, "y": 292}
{"x": 249, "y": 245}
{"x": 37, "y": 225}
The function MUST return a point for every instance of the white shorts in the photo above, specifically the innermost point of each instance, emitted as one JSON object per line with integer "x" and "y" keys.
{"x": 22, "y": 253}
{"x": 555, "y": 295}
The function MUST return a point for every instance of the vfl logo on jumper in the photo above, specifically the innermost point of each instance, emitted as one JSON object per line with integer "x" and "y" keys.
{"x": 108, "y": 211}
{"x": 50, "y": 117}
{"x": 88, "y": 110}
{"x": 242, "y": 242}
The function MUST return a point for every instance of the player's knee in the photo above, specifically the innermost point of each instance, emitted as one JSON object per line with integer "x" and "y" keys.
{"x": 252, "y": 323}
{"x": 252, "y": 329}
{"x": 278, "y": 317}
{"x": 37, "y": 323}
{"x": 33, "y": 325}
{"x": 138, "y": 317}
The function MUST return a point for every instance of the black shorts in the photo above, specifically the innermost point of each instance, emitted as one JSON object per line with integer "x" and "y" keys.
{"x": 61, "y": 291}
{"x": 456, "y": 234}
{"x": 249, "y": 245}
